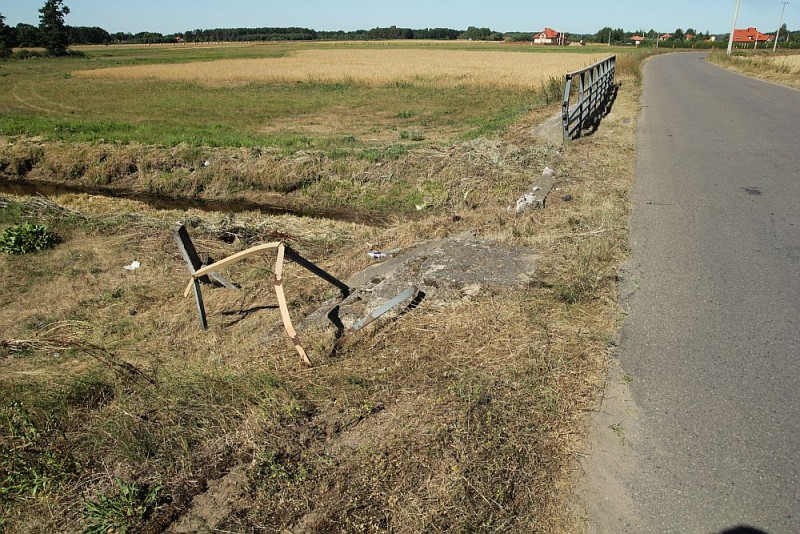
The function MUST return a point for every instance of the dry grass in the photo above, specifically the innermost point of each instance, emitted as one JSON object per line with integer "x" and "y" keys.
{"x": 783, "y": 69}
{"x": 462, "y": 418}
{"x": 446, "y": 68}
{"x": 793, "y": 60}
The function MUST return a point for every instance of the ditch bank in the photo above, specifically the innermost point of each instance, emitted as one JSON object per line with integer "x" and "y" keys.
{"x": 160, "y": 202}
{"x": 360, "y": 186}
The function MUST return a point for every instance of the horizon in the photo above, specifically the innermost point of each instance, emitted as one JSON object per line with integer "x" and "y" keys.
{"x": 580, "y": 17}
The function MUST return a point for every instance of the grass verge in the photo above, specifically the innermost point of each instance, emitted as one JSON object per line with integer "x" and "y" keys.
{"x": 782, "y": 68}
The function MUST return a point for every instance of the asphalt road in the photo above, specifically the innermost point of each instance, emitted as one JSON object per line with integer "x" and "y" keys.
{"x": 712, "y": 340}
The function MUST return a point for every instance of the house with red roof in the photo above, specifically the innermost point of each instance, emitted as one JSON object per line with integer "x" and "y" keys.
{"x": 750, "y": 35}
{"x": 637, "y": 39}
{"x": 549, "y": 37}
{"x": 665, "y": 37}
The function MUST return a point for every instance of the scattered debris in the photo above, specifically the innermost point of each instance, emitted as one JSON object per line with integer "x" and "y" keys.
{"x": 133, "y": 266}
{"x": 438, "y": 273}
{"x": 536, "y": 196}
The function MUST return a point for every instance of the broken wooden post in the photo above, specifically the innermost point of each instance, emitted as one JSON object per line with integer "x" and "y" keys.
{"x": 198, "y": 272}
{"x": 193, "y": 263}
{"x": 186, "y": 247}
{"x": 201, "y": 309}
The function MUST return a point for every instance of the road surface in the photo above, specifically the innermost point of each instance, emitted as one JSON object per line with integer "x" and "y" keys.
{"x": 712, "y": 341}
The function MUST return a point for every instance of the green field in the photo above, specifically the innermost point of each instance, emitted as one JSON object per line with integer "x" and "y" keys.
{"x": 40, "y": 97}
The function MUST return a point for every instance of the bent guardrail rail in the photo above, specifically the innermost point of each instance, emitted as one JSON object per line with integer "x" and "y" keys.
{"x": 595, "y": 87}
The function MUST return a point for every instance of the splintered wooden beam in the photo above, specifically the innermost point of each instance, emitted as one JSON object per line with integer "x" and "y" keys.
{"x": 194, "y": 283}
{"x": 283, "y": 306}
{"x": 239, "y": 256}
{"x": 230, "y": 260}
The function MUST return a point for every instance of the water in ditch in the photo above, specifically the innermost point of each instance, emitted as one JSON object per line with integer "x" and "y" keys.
{"x": 48, "y": 190}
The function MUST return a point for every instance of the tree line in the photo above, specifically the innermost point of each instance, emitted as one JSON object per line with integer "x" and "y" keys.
{"x": 678, "y": 37}
{"x": 55, "y": 36}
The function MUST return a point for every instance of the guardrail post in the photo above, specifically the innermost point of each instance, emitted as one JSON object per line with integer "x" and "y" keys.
{"x": 565, "y": 119}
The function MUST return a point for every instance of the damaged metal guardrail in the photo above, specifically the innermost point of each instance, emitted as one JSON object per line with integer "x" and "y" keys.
{"x": 594, "y": 93}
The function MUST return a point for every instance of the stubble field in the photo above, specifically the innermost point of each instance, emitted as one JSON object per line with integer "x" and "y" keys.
{"x": 440, "y": 68}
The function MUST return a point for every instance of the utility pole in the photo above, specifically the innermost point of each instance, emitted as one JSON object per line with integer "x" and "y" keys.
{"x": 733, "y": 30}
{"x": 778, "y": 33}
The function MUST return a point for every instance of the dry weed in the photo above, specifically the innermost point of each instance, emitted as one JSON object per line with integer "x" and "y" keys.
{"x": 782, "y": 69}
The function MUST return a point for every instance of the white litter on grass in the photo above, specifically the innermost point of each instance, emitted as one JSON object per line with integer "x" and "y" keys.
{"x": 133, "y": 266}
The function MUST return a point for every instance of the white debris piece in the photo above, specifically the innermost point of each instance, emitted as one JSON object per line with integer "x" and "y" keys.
{"x": 133, "y": 266}
{"x": 536, "y": 196}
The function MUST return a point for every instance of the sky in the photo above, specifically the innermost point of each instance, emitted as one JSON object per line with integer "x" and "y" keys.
{"x": 572, "y": 16}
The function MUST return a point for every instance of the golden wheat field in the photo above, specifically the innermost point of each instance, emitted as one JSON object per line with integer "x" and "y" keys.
{"x": 370, "y": 67}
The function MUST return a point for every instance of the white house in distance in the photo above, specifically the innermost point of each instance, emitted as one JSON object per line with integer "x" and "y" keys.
{"x": 549, "y": 37}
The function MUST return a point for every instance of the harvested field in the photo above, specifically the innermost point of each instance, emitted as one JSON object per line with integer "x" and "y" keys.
{"x": 439, "y": 68}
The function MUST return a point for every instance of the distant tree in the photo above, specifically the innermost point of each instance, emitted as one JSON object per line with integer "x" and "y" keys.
{"x": 5, "y": 38}
{"x": 617, "y": 35}
{"x": 603, "y": 35}
{"x": 392, "y": 32}
{"x": 88, "y": 36}
{"x": 54, "y": 34}
{"x": 436, "y": 33}
{"x": 678, "y": 34}
{"x": 149, "y": 38}
{"x": 480, "y": 34}
{"x": 121, "y": 37}
{"x": 27, "y": 36}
